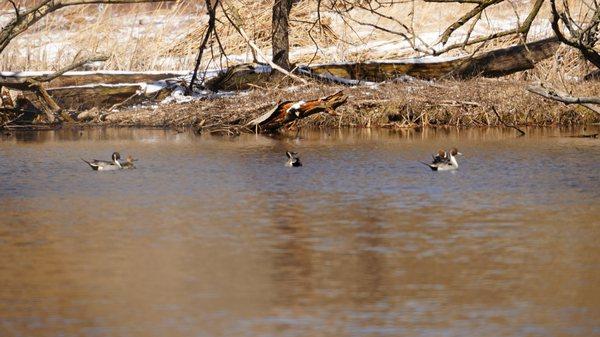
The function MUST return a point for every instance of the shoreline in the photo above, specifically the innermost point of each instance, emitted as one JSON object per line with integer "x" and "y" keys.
{"x": 410, "y": 104}
{"x": 395, "y": 104}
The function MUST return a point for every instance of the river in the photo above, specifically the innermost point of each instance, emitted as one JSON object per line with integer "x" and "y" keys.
{"x": 214, "y": 236}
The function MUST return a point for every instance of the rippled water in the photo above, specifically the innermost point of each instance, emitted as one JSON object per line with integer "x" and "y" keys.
{"x": 215, "y": 237}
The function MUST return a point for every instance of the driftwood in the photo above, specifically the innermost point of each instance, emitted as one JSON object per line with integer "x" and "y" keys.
{"x": 495, "y": 63}
{"x": 289, "y": 111}
{"x": 49, "y": 106}
{"x": 588, "y": 102}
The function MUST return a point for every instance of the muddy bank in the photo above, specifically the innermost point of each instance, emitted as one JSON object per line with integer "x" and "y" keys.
{"x": 398, "y": 104}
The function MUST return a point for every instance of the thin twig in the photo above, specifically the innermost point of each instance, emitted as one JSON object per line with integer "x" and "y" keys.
{"x": 117, "y": 105}
{"x": 521, "y": 132}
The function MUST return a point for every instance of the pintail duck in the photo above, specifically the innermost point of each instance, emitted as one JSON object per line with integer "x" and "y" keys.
{"x": 444, "y": 161}
{"x": 103, "y": 165}
{"x": 293, "y": 159}
{"x": 439, "y": 157}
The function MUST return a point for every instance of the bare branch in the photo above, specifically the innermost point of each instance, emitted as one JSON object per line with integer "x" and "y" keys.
{"x": 561, "y": 96}
{"x": 471, "y": 28}
{"x": 585, "y": 47}
{"x": 465, "y": 18}
{"x": 523, "y": 30}
{"x": 15, "y": 7}
{"x": 521, "y": 132}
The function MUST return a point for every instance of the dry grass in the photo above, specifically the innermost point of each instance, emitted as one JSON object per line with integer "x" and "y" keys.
{"x": 395, "y": 105}
{"x": 133, "y": 36}
{"x": 165, "y": 36}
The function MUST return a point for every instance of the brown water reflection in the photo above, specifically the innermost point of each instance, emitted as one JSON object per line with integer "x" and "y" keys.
{"x": 215, "y": 237}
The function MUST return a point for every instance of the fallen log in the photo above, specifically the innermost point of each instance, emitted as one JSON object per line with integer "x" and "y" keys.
{"x": 86, "y": 89}
{"x": 72, "y": 78}
{"x": 94, "y": 95}
{"x": 239, "y": 77}
{"x": 494, "y": 63}
{"x": 32, "y": 82}
{"x": 290, "y": 111}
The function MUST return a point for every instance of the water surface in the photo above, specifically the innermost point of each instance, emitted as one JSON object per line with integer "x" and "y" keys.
{"x": 215, "y": 237}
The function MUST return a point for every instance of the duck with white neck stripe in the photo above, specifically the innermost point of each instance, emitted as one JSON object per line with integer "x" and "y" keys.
{"x": 103, "y": 165}
{"x": 445, "y": 160}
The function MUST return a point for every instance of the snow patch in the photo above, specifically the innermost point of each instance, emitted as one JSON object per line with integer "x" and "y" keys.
{"x": 177, "y": 96}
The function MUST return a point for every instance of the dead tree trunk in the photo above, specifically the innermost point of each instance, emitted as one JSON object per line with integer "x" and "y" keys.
{"x": 280, "y": 33}
{"x": 212, "y": 12}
